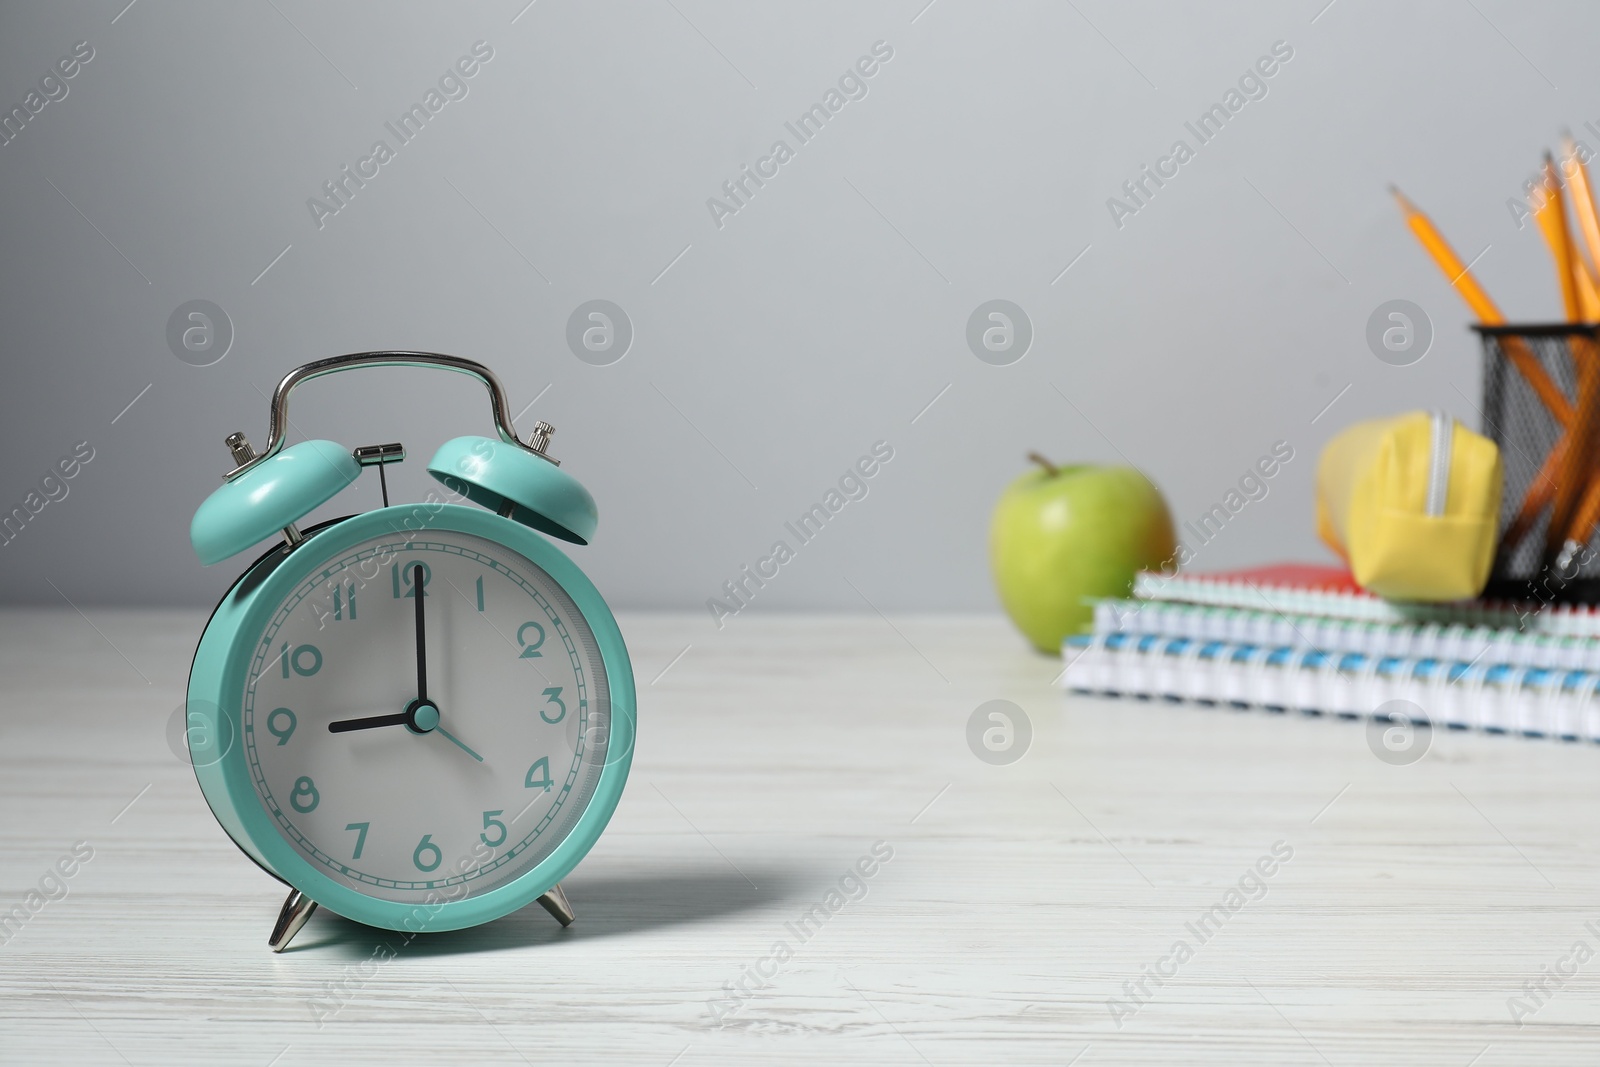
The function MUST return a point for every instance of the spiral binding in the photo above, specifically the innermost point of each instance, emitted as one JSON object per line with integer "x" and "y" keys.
{"x": 1527, "y": 700}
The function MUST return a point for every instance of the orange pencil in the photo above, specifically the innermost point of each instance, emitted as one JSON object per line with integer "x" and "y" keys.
{"x": 1550, "y": 213}
{"x": 1463, "y": 282}
{"x": 1588, "y": 290}
{"x": 1583, "y": 208}
{"x": 1576, "y": 466}
{"x": 1449, "y": 262}
{"x": 1587, "y": 516}
{"x": 1541, "y": 490}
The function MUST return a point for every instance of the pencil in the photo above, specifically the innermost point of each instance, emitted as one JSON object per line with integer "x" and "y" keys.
{"x": 1577, "y": 462}
{"x": 1541, "y": 490}
{"x": 1463, "y": 282}
{"x": 1551, "y": 214}
{"x": 1583, "y": 209}
{"x": 1587, "y": 516}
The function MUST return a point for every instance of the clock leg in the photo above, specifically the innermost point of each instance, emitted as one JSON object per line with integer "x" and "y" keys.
{"x": 556, "y": 903}
{"x": 296, "y": 910}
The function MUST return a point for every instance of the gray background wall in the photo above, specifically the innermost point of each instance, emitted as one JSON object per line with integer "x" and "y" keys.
{"x": 824, "y": 316}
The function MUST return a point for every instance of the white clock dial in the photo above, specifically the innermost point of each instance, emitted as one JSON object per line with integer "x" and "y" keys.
{"x": 438, "y": 806}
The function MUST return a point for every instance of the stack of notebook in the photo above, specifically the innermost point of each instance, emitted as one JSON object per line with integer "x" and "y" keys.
{"x": 1307, "y": 638}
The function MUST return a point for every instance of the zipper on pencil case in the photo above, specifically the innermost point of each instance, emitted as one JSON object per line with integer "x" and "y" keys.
{"x": 1439, "y": 465}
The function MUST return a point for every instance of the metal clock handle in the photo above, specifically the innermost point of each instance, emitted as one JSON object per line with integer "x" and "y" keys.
{"x": 280, "y": 398}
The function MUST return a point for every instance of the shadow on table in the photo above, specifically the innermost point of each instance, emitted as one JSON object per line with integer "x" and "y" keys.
{"x": 605, "y": 907}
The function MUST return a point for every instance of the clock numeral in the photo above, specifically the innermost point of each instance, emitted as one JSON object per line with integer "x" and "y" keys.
{"x": 305, "y": 659}
{"x": 400, "y": 578}
{"x": 530, "y": 649}
{"x": 339, "y": 601}
{"x": 305, "y": 797}
{"x": 480, "y": 592}
{"x": 427, "y": 845}
{"x": 542, "y": 765}
{"x": 490, "y": 820}
{"x": 361, "y": 837}
{"x": 554, "y": 695}
{"x": 276, "y": 725}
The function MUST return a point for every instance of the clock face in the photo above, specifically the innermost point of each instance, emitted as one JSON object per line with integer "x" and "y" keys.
{"x": 415, "y": 797}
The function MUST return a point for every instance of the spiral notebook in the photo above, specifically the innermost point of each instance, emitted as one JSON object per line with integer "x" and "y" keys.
{"x": 1313, "y": 589}
{"x": 1492, "y": 697}
{"x": 1417, "y": 640}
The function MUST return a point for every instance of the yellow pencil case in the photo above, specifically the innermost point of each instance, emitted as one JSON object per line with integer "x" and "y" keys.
{"x": 1412, "y": 503}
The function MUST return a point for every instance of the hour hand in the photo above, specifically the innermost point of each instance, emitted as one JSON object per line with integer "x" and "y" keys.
{"x": 419, "y": 716}
{"x": 368, "y": 723}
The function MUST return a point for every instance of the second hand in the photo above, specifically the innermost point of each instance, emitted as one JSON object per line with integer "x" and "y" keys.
{"x": 456, "y": 741}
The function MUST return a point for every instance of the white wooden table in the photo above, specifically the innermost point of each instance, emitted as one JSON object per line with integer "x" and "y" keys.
{"x": 773, "y": 755}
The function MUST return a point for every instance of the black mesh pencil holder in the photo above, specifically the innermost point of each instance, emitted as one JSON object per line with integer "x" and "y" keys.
{"x": 1534, "y": 382}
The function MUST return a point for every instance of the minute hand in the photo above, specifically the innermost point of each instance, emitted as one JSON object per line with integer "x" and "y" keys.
{"x": 422, "y": 636}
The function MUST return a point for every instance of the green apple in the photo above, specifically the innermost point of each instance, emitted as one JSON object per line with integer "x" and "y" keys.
{"x": 1061, "y": 535}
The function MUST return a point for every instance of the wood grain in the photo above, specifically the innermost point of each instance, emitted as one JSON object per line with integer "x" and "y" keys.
{"x": 772, "y": 756}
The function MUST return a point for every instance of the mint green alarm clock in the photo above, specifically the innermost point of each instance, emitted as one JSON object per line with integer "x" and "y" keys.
{"x": 420, "y": 717}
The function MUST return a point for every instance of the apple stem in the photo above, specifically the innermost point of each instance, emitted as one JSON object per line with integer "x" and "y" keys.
{"x": 1050, "y": 468}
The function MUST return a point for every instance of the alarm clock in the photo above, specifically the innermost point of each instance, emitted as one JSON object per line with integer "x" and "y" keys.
{"x": 420, "y": 717}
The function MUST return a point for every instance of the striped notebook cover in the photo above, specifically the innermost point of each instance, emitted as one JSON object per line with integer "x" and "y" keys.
{"x": 1313, "y": 589}
{"x": 1496, "y": 698}
{"x": 1416, "y": 640}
